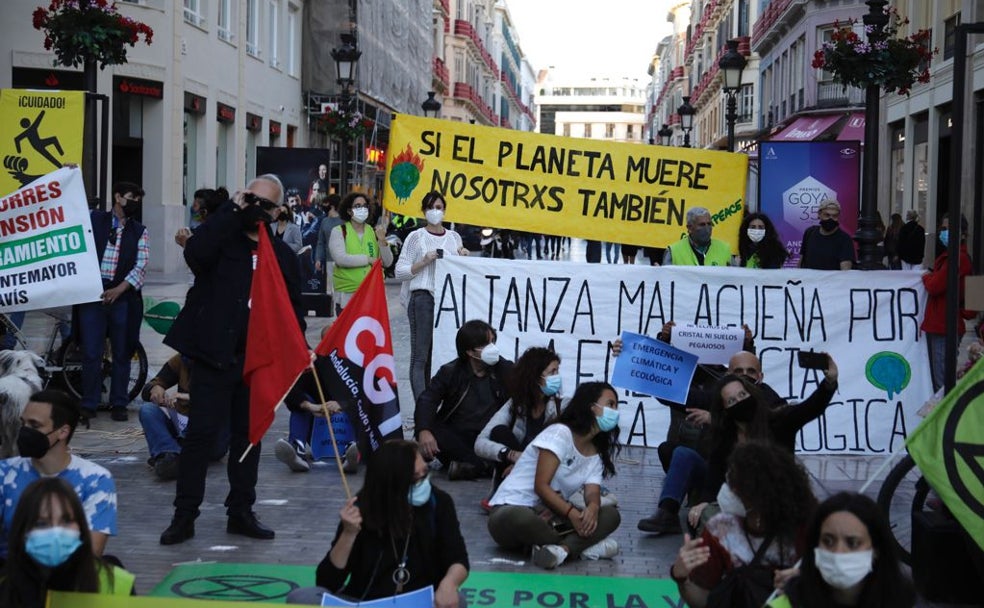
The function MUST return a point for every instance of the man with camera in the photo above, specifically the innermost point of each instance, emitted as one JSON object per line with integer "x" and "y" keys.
{"x": 211, "y": 331}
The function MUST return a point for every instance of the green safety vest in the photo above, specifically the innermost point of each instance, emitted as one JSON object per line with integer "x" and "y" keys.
{"x": 780, "y": 602}
{"x": 122, "y": 583}
{"x": 348, "y": 279}
{"x": 718, "y": 254}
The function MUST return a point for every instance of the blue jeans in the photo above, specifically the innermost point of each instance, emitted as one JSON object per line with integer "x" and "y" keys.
{"x": 300, "y": 427}
{"x": 420, "y": 312}
{"x": 95, "y": 320}
{"x": 687, "y": 470}
{"x": 162, "y": 436}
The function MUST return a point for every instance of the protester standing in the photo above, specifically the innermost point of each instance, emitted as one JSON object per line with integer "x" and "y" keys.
{"x": 758, "y": 243}
{"x": 826, "y": 246}
{"x": 354, "y": 249}
{"x": 912, "y": 242}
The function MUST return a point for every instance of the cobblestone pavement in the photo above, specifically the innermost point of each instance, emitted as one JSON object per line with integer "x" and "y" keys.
{"x": 303, "y": 507}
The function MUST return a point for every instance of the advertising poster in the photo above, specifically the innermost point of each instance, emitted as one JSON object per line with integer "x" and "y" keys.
{"x": 795, "y": 177}
{"x": 585, "y": 188}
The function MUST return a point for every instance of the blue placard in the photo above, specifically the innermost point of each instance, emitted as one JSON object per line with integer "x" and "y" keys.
{"x": 421, "y": 598}
{"x": 652, "y": 367}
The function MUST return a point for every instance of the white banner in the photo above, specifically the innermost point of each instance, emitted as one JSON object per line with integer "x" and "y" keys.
{"x": 47, "y": 255}
{"x": 868, "y": 321}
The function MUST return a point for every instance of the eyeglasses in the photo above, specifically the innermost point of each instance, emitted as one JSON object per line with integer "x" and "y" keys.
{"x": 251, "y": 199}
{"x": 360, "y": 206}
{"x": 133, "y": 199}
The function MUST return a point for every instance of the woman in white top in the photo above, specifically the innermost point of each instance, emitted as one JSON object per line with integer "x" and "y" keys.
{"x": 415, "y": 268}
{"x": 532, "y": 506}
{"x": 354, "y": 248}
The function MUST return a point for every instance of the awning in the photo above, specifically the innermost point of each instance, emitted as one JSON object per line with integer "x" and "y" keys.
{"x": 808, "y": 128}
{"x": 854, "y": 129}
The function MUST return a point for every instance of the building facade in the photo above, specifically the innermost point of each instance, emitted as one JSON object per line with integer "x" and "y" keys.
{"x": 602, "y": 107}
{"x": 669, "y": 77}
{"x": 221, "y": 78}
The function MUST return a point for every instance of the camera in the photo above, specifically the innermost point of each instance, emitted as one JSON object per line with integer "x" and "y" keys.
{"x": 440, "y": 253}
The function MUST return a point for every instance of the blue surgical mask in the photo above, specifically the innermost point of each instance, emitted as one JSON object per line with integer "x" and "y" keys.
{"x": 945, "y": 237}
{"x": 51, "y": 547}
{"x": 608, "y": 419}
{"x": 551, "y": 385}
{"x": 420, "y": 492}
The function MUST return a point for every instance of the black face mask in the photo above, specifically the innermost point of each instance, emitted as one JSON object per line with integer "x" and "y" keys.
{"x": 252, "y": 214}
{"x": 32, "y": 443}
{"x": 829, "y": 225}
{"x": 131, "y": 210}
{"x": 742, "y": 411}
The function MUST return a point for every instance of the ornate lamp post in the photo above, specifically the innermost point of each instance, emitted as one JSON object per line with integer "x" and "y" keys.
{"x": 665, "y": 135}
{"x": 431, "y": 106}
{"x": 867, "y": 234}
{"x": 686, "y": 112}
{"x": 346, "y": 57}
{"x": 732, "y": 64}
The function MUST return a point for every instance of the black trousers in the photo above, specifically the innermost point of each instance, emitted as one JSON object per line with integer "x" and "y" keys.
{"x": 220, "y": 398}
{"x": 455, "y": 444}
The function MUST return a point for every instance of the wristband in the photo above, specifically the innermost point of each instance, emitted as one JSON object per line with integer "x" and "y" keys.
{"x": 570, "y": 507}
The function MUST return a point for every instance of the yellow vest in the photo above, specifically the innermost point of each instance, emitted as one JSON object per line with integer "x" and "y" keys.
{"x": 122, "y": 583}
{"x": 780, "y": 602}
{"x": 348, "y": 279}
{"x": 718, "y": 254}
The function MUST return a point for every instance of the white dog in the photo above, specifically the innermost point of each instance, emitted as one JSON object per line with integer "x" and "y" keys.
{"x": 19, "y": 380}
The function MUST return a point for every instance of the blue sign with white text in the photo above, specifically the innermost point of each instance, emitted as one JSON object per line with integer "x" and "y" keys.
{"x": 652, "y": 367}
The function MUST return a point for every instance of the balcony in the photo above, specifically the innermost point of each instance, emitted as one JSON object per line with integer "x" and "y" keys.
{"x": 441, "y": 77}
{"x": 511, "y": 91}
{"x": 465, "y": 92}
{"x": 445, "y": 6}
{"x": 465, "y": 29}
{"x": 834, "y": 95}
{"x": 768, "y": 19}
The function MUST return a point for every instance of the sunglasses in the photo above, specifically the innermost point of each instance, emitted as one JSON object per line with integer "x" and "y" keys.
{"x": 251, "y": 199}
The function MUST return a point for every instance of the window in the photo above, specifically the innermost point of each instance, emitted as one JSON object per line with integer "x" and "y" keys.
{"x": 293, "y": 42}
{"x": 610, "y": 130}
{"x": 272, "y": 38}
{"x": 194, "y": 12}
{"x": 252, "y": 28}
{"x": 567, "y": 130}
{"x": 949, "y": 35}
{"x": 225, "y": 21}
{"x": 742, "y": 18}
{"x": 746, "y": 102}
{"x": 587, "y": 129}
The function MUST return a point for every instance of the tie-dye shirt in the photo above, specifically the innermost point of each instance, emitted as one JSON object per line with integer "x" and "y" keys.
{"x": 93, "y": 483}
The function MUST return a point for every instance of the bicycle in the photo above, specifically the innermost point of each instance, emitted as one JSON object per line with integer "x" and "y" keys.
{"x": 903, "y": 494}
{"x": 63, "y": 364}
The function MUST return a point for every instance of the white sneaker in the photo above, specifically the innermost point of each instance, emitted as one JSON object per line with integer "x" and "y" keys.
{"x": 350, "y": 461}
{"x": 606, "y": 549}
{"x": 286, "y": 454}
{"x": 549, "y": 557}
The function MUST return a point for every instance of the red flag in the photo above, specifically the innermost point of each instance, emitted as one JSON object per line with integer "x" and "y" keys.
{"x": 276, "y": 352}
{"x": 358, "y": 361}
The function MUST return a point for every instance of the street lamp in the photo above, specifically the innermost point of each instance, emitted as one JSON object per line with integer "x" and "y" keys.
{"x": 665, "y": 135}
{"x": 732, "y": 64}
{"x": 431, "y": 106}
{"x": 686, "y": 112}
{"x": 346, "y": 57}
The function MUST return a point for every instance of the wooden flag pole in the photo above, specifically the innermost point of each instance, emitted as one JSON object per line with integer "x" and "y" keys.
{"x": 331, "y": 431}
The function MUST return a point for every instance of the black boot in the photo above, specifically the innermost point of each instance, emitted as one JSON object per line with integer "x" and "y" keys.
{"x": 181, "y": 529}
{"x": 246, "y": 524}
{"x": 663, "y": 522}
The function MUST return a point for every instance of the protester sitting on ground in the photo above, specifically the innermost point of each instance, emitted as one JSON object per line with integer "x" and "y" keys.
{"x": 532, "y": 505}
{"x": 851, "y": 560}
{"x": 759, "y": 245}
{"x": 164, "y": 417}
{"x": 765, "y": 505}
{"x": 49, "y": 421}
{"x": 739, "y": 413}
{"x": 399, "y": 534}
{"x": 51, "y": 549}
{"x": 460, "y": 399}
{"x": 534, "y": 404}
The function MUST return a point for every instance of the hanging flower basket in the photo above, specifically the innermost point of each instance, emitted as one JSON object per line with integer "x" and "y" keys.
{"x": 348, "y": 126}
{"x": 893, "y": 63}
{"x": 88, "y": 30}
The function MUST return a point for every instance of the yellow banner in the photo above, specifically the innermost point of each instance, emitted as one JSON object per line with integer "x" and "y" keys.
{"x": 606, "y": 191}
{"x": 39, "y": 132}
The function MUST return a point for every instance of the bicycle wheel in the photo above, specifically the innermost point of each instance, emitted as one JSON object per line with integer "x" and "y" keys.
{"x": 71, "y": 370}
{"x": 902, "y": 494}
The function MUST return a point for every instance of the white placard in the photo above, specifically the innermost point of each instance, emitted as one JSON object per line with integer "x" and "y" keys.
{"x": 712, "y": 345}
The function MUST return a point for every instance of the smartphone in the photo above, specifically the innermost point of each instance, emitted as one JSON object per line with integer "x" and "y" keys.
{"x": 812, "y": 360}
{"x": 562, "y": 526}
{"x": 440, "y": 253}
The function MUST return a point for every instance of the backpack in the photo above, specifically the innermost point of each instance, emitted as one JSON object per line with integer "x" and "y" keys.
{"x": 747, "y": 586}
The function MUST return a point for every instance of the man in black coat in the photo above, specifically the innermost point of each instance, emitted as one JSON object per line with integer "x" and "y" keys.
{"x": 211, "y": 330}
{"x": 912, "y": 241}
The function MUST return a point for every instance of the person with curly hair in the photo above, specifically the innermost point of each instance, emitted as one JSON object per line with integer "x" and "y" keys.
{"x": 534, "y": 404}
{"x": 765, "y": 504}
{"x": 532, "y": 506}
{"x": 759, "y": 245}
{"x": 851, "y": 560}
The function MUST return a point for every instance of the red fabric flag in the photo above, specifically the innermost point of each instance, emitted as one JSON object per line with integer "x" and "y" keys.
{"x": 276, "y": 352}
{"x": 358, "y": 364}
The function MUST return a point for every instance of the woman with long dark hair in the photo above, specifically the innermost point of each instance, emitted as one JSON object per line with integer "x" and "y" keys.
{"x": 851, "y": 560}
{"x": 398, "y": 534}
{"x": 50, "y": 549}
{"x": 765, "y": 503}
{"x": 759, "y": 245}
{"x": 532, "y": 505}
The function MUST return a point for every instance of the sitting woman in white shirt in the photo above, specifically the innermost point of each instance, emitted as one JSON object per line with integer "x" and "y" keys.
{"x": 532, "y": 508}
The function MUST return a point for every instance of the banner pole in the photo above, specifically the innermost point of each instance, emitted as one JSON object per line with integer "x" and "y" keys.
{"x": 331, "y": 431}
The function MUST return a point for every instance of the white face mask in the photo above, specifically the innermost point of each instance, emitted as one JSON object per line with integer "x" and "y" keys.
{"x": 360, "y": 215}
{"x": 843, "y": 570}
{"x": 434, "y": 216}
{"x": 729, "y": 501}
{"x": 756, "y": 234}
{"x": 490, "y": 354}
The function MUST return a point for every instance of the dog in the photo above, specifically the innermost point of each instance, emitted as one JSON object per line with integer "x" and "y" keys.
{"x": 19, "y": 379}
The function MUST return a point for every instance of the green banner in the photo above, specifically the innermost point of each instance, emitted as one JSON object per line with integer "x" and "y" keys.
{"x": 42, "y": 247}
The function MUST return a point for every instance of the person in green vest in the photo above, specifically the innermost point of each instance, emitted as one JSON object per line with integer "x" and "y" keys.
{"x": 699, "y": 248}
{"x": 354, "y": 249}
{"x": 51, "y": 550}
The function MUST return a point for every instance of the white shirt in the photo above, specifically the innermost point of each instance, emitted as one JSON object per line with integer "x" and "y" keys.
{"x": 575, "y": 470}
{"x": 418, "y": 244}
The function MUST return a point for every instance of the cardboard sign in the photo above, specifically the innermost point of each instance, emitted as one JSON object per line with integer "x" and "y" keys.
{"x": 712, "y": 345}
{"x": 654, "y": 368}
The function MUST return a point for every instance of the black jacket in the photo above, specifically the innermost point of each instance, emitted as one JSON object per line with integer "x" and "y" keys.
{"x": 912, "y": 243}
{"x": 211, "y": 328}
{"x": 449, "y": 386}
